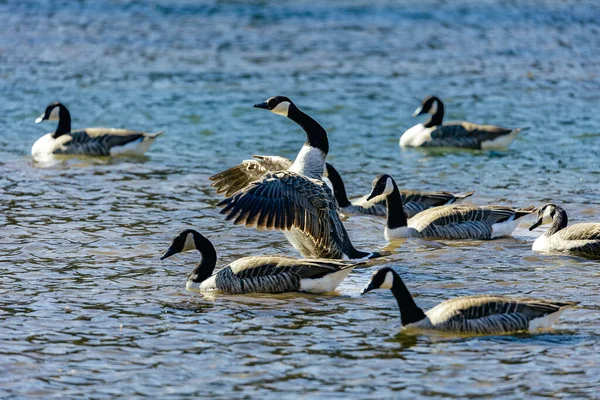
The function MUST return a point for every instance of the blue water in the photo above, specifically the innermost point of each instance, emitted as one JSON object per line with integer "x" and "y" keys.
{"x": 88, "y": 310}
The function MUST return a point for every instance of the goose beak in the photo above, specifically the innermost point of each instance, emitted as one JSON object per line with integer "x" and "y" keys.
{"x": 40, "y": 118}
{"x": 262, "y": 105}
{"x": 168, "y": 253}
{"x": 536, "y": 224}
{"x": 367, "y": 288}
{"x": 418, "y": 111}
{"x": 371, "y": 195}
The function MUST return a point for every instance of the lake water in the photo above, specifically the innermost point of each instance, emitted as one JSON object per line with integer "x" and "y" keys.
{"x": 88, "y": 310}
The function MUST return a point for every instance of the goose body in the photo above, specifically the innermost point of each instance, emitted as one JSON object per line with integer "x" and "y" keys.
{"x": 455, "y": 221}
{"x": 296, "y": 200}
{"x": 413, "y": 201}
{"x": 483, "y": 314}
{"x": 434, "y": 133}
{"x": 260, "y": 274}
{"x": 88, "y": 141}
{"x": 579, "y": 239}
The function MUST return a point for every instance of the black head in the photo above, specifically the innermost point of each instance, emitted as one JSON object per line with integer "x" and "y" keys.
{"x": 277, "y": 104}
{"x": 383, "y": 185}
{"x": 184, "y": 241}
{"x": 545, "y": 215}
{"x": 381, "y": 279}
{"x": 428, "y": 105}
{"x": 52, "y": 112}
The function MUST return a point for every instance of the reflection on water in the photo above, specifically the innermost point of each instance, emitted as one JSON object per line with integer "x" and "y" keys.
{"x": 89, "y": 310}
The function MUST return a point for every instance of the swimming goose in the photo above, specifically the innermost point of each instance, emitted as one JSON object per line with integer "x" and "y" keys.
{"x": 485, "y": 314}
{"x": 581, "y": 239}
{"x": 259, "y": 274}
{"x": 414, "y": 201}
{"x": 454, "y": 134}
{"x": 296, "y": 200}
{"x": 455, "y": 221}
{"x": 88, "y": 141}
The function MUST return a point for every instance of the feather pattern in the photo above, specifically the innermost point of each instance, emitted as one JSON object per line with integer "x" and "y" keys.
{"x": 97, "y": 141}
{"x": 235, "y": 178}
{"x": 487, "y": 314}
{"x": 274, "y": 274}
{"x": 286, "y": 200}
{"x": 460, "y": 221}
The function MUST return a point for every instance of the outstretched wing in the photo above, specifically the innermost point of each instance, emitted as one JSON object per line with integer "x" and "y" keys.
{"x": 97, "y": 141}
{"x": 286, "y": 200}
{"x": 239, "y": 176}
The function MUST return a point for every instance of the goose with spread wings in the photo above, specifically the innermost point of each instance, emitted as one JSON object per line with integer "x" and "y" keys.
{"x": 296, "y": 200}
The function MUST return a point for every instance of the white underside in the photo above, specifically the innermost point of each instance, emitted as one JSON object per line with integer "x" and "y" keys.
{"x": 504, "y": 228}
{"x": 541, "y": 244}
{"x": 324, "y": 284}
{"x": 135, "y": 148}
{"x": 501, "y": 142}
{"x": 205, "y": 286}
{"x": 545, "y": 322}
{"x": 44, "y": 145}
{"x": 416, "y": 136}
{"x": 310, "y": 162}
{"x": 398, "y": 233}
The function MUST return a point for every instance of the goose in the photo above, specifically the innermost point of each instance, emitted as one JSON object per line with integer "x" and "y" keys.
{"x": 414, "y": 201}
{"x": 454, "y": 134}
{"x": 482, "y": 314}
{"x": 88, "y": 141}
{"x": 454, "y": 221}
{"x": 581, "y": 239}
{"x": 296, "y": 200}
{"x": 258, "y": 274}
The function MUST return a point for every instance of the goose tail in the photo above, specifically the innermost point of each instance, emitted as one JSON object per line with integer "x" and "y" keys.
{"x": 154, "y": 135}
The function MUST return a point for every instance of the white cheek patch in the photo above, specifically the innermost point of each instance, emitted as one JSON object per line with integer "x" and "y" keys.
{"x": 282, "y": 108}
{"x": 388, "y": 282}
{"x": 434, "y": 108}
{"x": 547, "y": 216}
{"x": 389, "y": 186}
{"x": 54, "y": 114}
{"x": 190, "y": 244}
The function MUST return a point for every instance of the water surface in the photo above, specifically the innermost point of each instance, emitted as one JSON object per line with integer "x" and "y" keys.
{"x": 88, "y": 310}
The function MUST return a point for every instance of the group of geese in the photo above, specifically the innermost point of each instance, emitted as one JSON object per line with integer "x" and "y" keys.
{"x": 274, "y": 193}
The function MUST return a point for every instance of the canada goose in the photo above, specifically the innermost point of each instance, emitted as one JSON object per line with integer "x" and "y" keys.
{"x": 414, "y": 201}
{"x": 581, "y": 239}
{"x": 88, "y": 141}
{"x": 470, "y": 314}
{"x": 454, "y": 134}
{"x": 454, "y": 221}
{"x": 296, "y": 200}
{"x": 259, "y": 274}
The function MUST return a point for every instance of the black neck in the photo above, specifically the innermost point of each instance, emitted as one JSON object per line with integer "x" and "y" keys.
{"x": 437, "y": 118}
{"x": 559, "y": 221}
{"x": 64, "y": 122}
{"x": 396, "y": 218}
{"x": 208, "y": 260}
{"x": 339, "y": 189}
{"x": 409, "y": 311}
{"x": 315, "y": 133}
